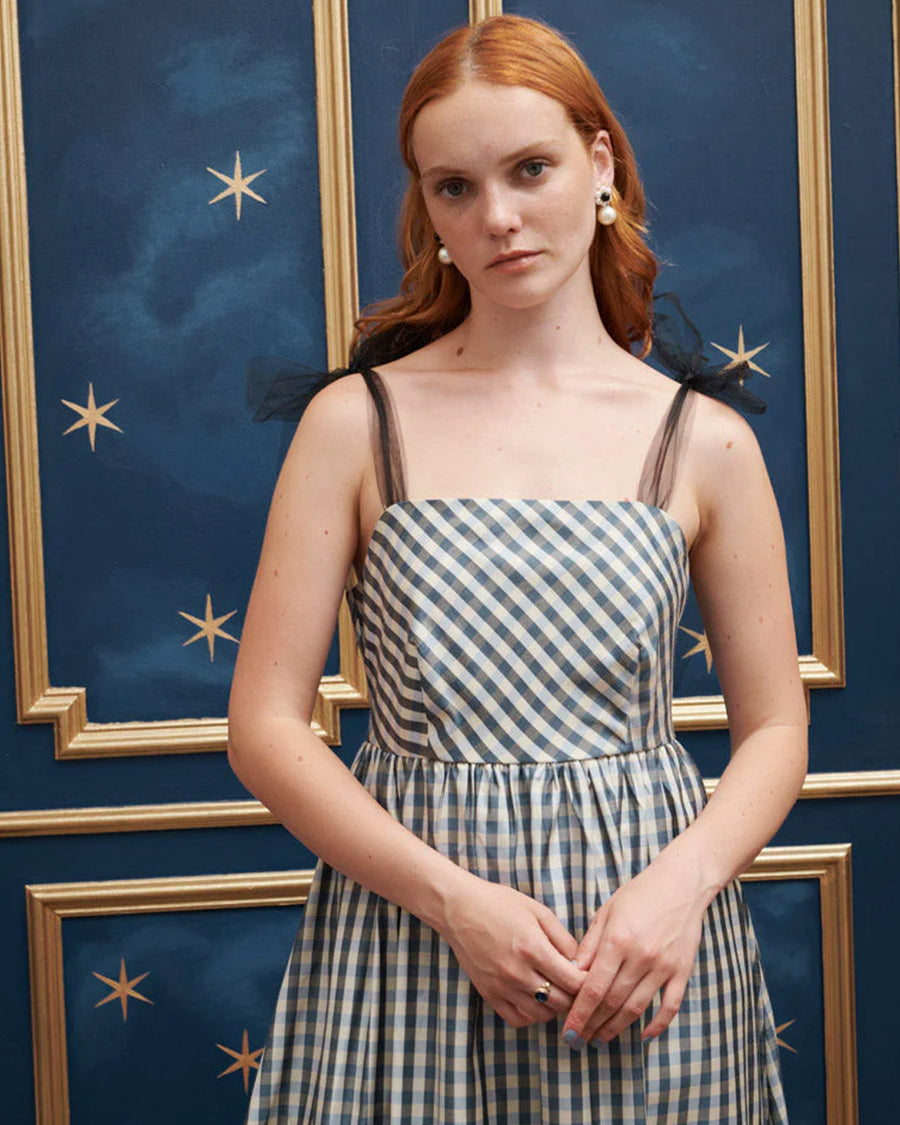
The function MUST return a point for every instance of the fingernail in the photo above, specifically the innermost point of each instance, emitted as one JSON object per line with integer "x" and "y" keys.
{"x": 573, "y": 1039}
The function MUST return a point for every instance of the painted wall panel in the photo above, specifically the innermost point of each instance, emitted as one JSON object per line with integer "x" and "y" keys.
{"x": 139, "y": 280}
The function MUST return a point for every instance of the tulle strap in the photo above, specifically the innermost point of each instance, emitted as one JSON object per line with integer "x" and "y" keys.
{"x": 279, "y": 390}
{"x": 678, "y": 347}
{"x": 387, "y": 448}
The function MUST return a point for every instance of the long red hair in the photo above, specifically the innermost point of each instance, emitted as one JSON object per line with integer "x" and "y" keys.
{"x": 513, "y": 51}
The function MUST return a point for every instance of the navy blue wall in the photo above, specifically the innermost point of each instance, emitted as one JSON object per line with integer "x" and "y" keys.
{"x": 143, "y": 288}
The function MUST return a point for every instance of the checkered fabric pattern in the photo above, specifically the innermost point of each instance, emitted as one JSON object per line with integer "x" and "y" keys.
{"x": 519, "y": 657}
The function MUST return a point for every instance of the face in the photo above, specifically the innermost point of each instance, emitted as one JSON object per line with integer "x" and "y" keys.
{"x": 509, "y": 186}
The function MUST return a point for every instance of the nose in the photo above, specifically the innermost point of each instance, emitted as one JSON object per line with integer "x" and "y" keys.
{"x": 500, "y": 210}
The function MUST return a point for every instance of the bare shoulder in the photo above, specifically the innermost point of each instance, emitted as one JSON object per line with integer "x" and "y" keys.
{"x": 723, "y": 445}
{"x": 331, "y": 443}
{"x": 726, "y": 470}
{"x": 339, "y": 408}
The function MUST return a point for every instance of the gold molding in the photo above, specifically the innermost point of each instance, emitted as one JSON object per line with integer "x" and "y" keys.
{"x": 830, "y": 864}
{"x": 66, "y": 708}
{"x": 48, "y": 905}
{"x": 135, "y": 818}
{"x": 335, "y": 132}
{"x": 826, "y": 666}
{"x": 37, "y": 701}
{"x": 183, "y": 815}
{"x": 19, "y": 407}
{"x": 482, "y": 9}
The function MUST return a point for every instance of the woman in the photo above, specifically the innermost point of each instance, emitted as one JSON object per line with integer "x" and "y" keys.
{"x": 525, "y": 911}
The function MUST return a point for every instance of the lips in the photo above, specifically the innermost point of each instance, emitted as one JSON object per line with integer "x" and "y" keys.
{"x": 512, "y": 256}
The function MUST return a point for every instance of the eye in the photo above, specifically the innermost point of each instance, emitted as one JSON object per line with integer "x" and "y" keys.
{"x": 534, "y": 169}
{"x": 452, "y": 189}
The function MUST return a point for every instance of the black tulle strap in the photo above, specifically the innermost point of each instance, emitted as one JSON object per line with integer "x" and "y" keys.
{"x": 678, "y": 347}
{"x": 386, "y": 446}
{"x": 279, "y": 390}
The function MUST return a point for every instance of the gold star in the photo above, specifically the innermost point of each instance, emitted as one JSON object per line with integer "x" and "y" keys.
{"x": 92, "y": 416}
{"x": 781, "y": 1042}
{"x": 237, "y": 185}
{"x": 122, "y": 989}
{"x": 245, "y": 1059}
{"x": 210, "y": 627}
{"x": 702, "y": 645}
{"x": 742, "y": 355}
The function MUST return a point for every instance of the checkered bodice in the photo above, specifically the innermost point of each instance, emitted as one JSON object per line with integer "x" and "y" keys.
{"x": 509, "y": 631}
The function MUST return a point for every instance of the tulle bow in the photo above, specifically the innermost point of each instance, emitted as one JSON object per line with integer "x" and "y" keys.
{"x": 678, "y": 346}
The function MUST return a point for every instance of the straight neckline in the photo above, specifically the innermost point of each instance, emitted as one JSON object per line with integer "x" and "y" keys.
{"x": 388, "y": 510}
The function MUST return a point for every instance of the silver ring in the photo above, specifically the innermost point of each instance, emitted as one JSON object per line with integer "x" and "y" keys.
{"x": 542, "y": 992}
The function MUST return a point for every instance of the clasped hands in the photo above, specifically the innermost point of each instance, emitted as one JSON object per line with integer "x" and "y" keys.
{"x": 642, "y": 940}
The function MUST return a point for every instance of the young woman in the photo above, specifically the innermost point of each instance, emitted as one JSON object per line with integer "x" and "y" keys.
{"x": 525, "y": 911}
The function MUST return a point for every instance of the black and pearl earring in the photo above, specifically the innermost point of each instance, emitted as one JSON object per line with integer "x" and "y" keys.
{"x": 606, "y": 213}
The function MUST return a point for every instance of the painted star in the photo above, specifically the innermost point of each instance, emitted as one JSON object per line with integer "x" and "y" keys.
{"x": 245, "y": 1060}
{"x": 92, "y": 416}
{"x": 702, "y": 645}
{"x": 237, "y": 185}
{"x": 780, "y": 1041}
{"x": 210, "y": 627}
{"x": 122, "y": 989}
{"x": 742, "y": 355}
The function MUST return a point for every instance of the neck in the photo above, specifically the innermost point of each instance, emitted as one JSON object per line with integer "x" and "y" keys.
{"x": 546, "y": 341}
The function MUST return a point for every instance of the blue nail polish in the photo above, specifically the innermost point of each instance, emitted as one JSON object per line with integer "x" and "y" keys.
{"x": 572, "y": 1038}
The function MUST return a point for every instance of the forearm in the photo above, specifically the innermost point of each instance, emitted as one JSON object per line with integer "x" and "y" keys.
{"x": 320, "y": 802}
{"x": 754, "y": 795}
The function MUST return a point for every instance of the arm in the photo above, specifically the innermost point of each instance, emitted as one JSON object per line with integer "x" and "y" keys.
{"x": 646, "y": 936}
{"x": 311, "y": 539}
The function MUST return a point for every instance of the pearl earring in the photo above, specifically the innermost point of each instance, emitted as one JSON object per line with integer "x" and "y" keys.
{"x": 606, "y": 214}
{"x": 443, "y": 255}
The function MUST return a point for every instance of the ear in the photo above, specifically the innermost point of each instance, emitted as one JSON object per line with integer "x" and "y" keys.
{"x": 602, "y": 157}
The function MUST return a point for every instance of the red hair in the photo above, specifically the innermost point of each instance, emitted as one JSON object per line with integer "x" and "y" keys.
{"x": 515, "y": 51}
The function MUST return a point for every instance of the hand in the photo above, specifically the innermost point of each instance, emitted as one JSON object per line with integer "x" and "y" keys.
{"x": 644, "y": 938}
{"x": 508, "y": 944}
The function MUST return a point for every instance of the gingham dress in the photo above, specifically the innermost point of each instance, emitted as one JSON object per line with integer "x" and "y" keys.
{"x": 519, "y": 662}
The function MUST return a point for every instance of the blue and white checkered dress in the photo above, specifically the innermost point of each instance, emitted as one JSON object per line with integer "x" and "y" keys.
{"x": 519, "y": 659}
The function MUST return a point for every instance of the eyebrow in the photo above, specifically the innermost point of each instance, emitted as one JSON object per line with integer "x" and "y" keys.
{"x": 511, "y": 158}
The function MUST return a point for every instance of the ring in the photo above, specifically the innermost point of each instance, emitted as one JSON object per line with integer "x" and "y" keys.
{"x": 542, "y": 992}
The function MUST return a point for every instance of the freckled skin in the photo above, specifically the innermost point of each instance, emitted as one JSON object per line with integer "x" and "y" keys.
{"x": 728, "y": 445}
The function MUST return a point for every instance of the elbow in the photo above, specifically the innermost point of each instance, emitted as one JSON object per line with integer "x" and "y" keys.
{"x": 237, "y": 750}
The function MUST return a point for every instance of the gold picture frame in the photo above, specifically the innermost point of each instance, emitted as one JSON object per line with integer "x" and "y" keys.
{"x": 66, "y": 707}
{"x": 50, "y": 904}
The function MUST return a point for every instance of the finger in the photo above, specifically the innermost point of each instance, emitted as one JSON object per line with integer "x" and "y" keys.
{"x": 592, "y": 993}
{"x": 632, "y": 1008}
{"x": 670, "y": 1003}
{"x": 562, "y": 940}
{"x": 511, "y": 1014}
{"x": 558, "y": 1001}
{"x": 590, "y": 943}
{"x": 559, "y": 970}
{"x": 618, "y": 994}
